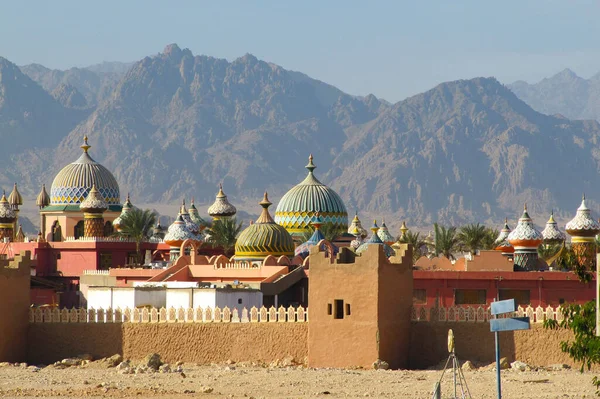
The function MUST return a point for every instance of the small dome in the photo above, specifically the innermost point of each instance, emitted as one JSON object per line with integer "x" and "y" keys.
{"x": 127, "y": 206}
{"x": 7, "y": 213}
{"x": 501, "y": 243}
{"x": 189, "y": 223}
{"x": 304, "y": 248}
{"x": 551, "y": 233}
{"x": 15, "y": 198}
{"x": 583, "y": 225}
{"x": 299, "y": 205}
{"x": 158, "y": 231}
{"x": 93, "y": 203}
{"x": 525, "y": 234}
{"x": 178, "y": 233}
{"x": 43, "y": 199}
{"x": 221, "y": 207}
{"x": 263, "y": 238}
{"x": 195, "y": 216}
{"x": 375, "y": 240}
{"x": 384, "y": 234}
{"x": 356, "y": 224}
{"x": 73, "y": 183}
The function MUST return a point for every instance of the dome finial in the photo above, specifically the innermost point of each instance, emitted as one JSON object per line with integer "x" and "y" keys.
{"x": 265, "y": 203}
{"x": 85, "y": 146}
{"x": 311, "y": 166}
{"x": 265, "y": 216}
{"x": 525, "y": 207}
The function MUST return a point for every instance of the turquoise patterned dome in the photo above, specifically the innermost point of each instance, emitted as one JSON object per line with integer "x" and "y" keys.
{"x": 298, "y": 206}
{"x": 74, "y": 182}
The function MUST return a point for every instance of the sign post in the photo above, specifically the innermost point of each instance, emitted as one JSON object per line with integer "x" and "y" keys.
{"x": 509, "y": 324}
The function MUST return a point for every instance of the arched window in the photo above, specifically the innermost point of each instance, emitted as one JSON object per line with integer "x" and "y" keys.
{"x": 56, "y": 232}
{"x": 78, "y": 231}
{"x": 108, "y": 229}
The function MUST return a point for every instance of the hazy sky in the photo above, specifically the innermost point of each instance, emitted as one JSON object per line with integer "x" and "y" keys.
{"x": 392, "y": 49}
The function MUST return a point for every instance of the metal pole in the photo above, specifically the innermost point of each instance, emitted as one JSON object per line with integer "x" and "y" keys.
{"x": 454, "y": 372}
{"x": 497, "y": 337}
{"x": 597, "y": 295}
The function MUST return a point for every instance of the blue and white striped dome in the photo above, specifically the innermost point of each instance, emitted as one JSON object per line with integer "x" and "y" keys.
{"x": 298, "y": 206}
{"x": 74, "y": 182}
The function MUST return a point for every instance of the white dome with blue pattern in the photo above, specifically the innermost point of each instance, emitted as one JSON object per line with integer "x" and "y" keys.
{"x": 74, "y": 182}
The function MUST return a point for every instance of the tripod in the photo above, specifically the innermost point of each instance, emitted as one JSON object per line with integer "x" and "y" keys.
{"x": 457, "y": 374}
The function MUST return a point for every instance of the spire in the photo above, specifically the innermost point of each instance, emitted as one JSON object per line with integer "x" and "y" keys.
{"x": 15, "y": 198}
{"x": 43, "y": 199}
{"x": 85, "y": 146}
{"x": 182, "y": 209}
{"x": 311, "y": 166}
{"x": 221, "y": 194}
{"x": 265, "y": 216}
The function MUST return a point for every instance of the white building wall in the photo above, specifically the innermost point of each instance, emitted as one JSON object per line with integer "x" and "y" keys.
{"x": 122, "y": 298}
{"x": 179, "y": 297}
{"x": 238, "y": 299}
{"x": 99, "y": 297}
{"x": 204, "y": 297}
{"x": 153, "y": 297}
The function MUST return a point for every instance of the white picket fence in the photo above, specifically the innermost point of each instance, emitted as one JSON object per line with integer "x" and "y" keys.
{"x": 171, "y": 315}
{"x": 482, "y": 314}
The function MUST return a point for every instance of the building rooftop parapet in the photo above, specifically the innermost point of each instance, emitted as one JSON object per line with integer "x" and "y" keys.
{"x": 154, "y": 240}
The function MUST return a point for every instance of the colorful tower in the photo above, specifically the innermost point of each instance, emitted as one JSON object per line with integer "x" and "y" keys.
{"x": 195, "y": 216}
{"x": 221, "y": 208}
{"x": 501, "y": 244}
{"x": 176, "y": 235}
{"x": 384, "y": 234}
{"x": 15, "y": 200}
{"x": 127, "y": 206}
{"x": 42, "y": 201}
{"x": 7, "y": 219}
{"x": 93, "y": 208}
{"x": 551, "y": 233}
{"x": 525, "y": 239}
{"x": 375, "y": 240}
{"x": 403, "y": 230}
{"x": 583, "y": 229}
{"x": 356, "y": 224}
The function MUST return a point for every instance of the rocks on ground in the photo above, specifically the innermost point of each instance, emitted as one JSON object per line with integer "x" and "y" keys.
{"x": 380, "y": 365}
{"x": 468, "y": 366}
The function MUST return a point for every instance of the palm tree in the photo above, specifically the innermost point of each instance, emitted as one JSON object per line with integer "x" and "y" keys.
{"x": 416, "y": 241}
{"x": 137, "y": 224}
{"x": 223, "y": 233}
{"x": 446, "y": 240}
{"x": 546, "y": 252}
{"x": 329, "y": 230}
{"x": 472, "y": 236}
{"x": 489, "y": 240}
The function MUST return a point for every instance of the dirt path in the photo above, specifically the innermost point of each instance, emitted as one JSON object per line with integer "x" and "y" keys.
{"x": 237, "y": 381}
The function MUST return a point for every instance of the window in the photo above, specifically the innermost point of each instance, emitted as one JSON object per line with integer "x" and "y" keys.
{"x": 420, "y": 296}
{"x": 131, "y": 258}
{"x": 108, "y": 229}
{"x": 521, "y": 297}
{"x": 239, "y": 301}
{"x": 329, "y": 309}
{"x": 105, "y": 260}
{"x": 469, "y": 297}
{"x": 78, "y": 230}
{"x": 56, "y": 232}
{"x": 339, "y": 309}
{"x": 347, "y": 309}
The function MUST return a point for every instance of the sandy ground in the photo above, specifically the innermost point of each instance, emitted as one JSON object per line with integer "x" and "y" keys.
{"x": 239, "y": 381}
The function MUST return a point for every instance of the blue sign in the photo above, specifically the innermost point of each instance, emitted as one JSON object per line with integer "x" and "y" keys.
{"x": 512, "y": 324}
{"x": 506, "y": 306}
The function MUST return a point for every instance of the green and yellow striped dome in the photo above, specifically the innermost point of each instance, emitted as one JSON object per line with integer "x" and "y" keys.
{"x": 298, "y": 206}
{"x": 74, "y": 182}
{"x": 263, "y": 238}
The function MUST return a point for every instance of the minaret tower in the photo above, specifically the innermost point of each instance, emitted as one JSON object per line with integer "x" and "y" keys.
{"x": 583, "y": 229}
{"x": 15, "y": 200}
{"x": 93, "y": 208}
{"x": 501, "y": 244}
{"x": 7, "y": 219}
{"x": 525, "y": 238}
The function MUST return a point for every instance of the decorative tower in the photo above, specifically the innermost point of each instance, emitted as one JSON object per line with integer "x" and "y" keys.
{"x": 375, "y": 240}
{"x": 525, "y": 238}
{"x": 127, "y": 206}
{"x": 358, "y": 240}
{"x": 501, "y": 244}
{"x": 551, "y": 233}
{"x": 93, "y": 208}
{"x": 356, "y": 224}
{"x": 42, "y": 201}
{"x": 15, "y": 200}
{"x": 7, "y": 219}
{"x": 195, "y": 216}
{"x": 176, "y": 235}
{"x": 583, "y": 229}
{"x": 221, "y": 208}
{"x": 403, "y": 230}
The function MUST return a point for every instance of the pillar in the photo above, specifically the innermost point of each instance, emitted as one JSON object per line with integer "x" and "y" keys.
{"x": 93, "y": 225}
{"x": 526, "y": 259}
{"x": 585, "y": 250}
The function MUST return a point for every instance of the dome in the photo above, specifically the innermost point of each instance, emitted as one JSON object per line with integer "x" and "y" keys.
{"x": 178, "y": 233}
{"x": 127, "y": 206}
{"x": 93, "y": 203}
{"x": 299, "y": 205}
{"x": 583, "y": 225}
{"x": 384, "y": 234}
{"x": 43, "y": 199}
{"x": 221, "y": 207}
{"x": 195, "y": 216}
{"x": 356, "y": 224}
{"x": 158, "y": 231}
{"x": 375, "y": 240}
{"x": 264, "y": 237}
{"x": 358, "y": 239}
{"x": 15, "y": 198}
{"x": 7, "y": 213}
{"x": 525, "y": 234}
{"x": 73, "y": 183}
{"x": 189, "y": 223}
{"x": 304, "y": 248}
{"x": 551, "y": 233}
{"x": 501, "y": 243}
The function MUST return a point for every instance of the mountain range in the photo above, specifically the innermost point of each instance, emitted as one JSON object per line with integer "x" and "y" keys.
{"x": 176, "y": 125}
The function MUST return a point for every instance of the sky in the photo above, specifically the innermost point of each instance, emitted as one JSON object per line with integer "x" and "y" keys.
{"x": 392, "y": 49}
